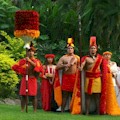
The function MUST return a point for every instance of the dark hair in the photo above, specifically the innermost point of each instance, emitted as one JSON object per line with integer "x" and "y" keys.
{"x": 53, "y": 62}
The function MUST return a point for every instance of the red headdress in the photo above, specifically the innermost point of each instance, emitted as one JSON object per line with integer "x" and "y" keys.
{"x": 49, "y": 56}
{"x": 107, "y": 52}
{"x": 70, "y": 42}
{"x": 93, "y": 41}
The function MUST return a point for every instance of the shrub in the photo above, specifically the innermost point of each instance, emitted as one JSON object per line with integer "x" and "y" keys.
{"x": 8, "y": 78}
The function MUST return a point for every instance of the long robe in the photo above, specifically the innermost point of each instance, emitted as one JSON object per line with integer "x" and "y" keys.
{"x": 47, "y": 89}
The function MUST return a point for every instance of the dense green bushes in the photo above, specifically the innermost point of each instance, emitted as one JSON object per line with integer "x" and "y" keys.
{"x": 8, "y": 78}
{"x": 11, "y": 50}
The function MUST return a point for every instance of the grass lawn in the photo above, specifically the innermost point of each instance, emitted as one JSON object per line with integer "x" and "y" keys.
{"x": 11, "y": 112}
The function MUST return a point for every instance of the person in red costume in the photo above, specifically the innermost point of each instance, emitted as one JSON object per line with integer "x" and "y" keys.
{"x": 33, "y": 68}
{"x": 69, "y": 65}
{"x": 47, "y": 82}
{"x": 95, "y": 73}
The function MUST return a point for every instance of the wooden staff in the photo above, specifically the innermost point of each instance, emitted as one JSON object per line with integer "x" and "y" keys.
{"x": 26, "y": 77}
{"x": 80, "y": 52}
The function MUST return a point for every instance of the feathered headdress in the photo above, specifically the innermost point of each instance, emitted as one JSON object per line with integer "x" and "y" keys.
{"x": 27, "y": 23}
{"x": 93, "y": 41}
{"x": 107, "y": 52}
{"x": 70, "y": 42}
{"x": 49, "y": 56}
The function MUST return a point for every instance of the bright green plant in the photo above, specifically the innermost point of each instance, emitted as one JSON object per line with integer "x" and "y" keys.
{"x": 8, "y": 78}
{"x": 12, "y": 46}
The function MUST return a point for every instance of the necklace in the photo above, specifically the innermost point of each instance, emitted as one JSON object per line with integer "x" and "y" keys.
{"x": 93, "y": 57}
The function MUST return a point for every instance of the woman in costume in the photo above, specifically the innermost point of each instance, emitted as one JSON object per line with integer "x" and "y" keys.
{"x": 47, "y": 76}
{"x": 112, "y": 107}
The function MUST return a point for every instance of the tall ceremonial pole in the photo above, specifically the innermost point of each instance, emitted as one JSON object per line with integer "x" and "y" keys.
{"x": 80, "y": 53}
{"x": 27, "y": 28}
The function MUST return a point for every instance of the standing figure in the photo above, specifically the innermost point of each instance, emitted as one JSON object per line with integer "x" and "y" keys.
{"x": 32, "y": 69}
{"x": 92, "y": 65}
{"x": 68, "y": 64}
{"x": 47, "y": 76}
{"x": 112, "y": 107}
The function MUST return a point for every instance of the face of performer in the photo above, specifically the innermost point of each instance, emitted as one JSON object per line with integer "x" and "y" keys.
{"x": 93, "y": 50}
{"x": 70, "y": 50}
{"x": 50, "y": 60}
{"x": 107, "y": 56}
{"x": 31, "y": 53}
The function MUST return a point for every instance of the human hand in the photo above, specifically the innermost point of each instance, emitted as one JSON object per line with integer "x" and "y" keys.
{"x": 28, "y": 59}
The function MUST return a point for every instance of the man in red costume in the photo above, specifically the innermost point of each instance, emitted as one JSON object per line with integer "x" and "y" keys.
{"x": 33, "y": 68}
{"x": 94, "y": 87}
{"x": 68, "y": 63}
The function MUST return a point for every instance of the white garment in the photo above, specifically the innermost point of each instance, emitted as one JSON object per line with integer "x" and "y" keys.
{"x": 118, "y": 90}
{"x": 114, "y": 70}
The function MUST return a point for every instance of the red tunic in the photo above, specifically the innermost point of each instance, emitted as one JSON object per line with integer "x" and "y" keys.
{"x": 20, "y": 68}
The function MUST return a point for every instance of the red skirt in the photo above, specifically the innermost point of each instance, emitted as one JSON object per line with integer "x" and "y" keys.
{"x": 32, "y": 86}
{"x": 46, "y": 94}
{"x": 68, "y": 81}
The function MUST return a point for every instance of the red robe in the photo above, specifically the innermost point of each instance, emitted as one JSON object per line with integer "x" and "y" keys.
{"x": 20, "y": 68}
{"x": 46, "y": 91}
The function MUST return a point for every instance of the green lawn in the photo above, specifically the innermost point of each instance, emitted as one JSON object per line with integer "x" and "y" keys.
{"x": 10, "y": 112}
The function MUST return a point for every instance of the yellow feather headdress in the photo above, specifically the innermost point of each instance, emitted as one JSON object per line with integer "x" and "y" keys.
{"x": 70, "y": 42}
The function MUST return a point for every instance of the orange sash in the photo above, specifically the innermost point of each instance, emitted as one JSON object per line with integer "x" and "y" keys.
{"x": 57, "y": 90}
{"x": 75, "y": 105}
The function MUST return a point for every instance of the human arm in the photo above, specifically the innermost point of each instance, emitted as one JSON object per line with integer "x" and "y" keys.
{"x": 83, "y": 63}
{"x": 60, "y": 63}
{"x": 20, "y": 67}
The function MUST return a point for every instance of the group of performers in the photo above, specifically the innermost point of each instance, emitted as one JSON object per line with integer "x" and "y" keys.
{"x": 61, "y": 82}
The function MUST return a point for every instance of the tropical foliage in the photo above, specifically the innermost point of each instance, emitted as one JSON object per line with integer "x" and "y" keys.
{"x": 12, "y": 46}
{"x": 102, "y": 19}
{"x": 7, "y": 12}
{"x": 8, "y": 78}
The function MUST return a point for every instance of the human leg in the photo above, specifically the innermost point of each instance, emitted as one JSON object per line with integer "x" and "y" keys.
{"x": 23, "y": 102}
{"x": 87, "y": 103}
{"x": 97, "y": 99}
{"x": 65, "y": 95}
{"x": 34, "y": 103}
